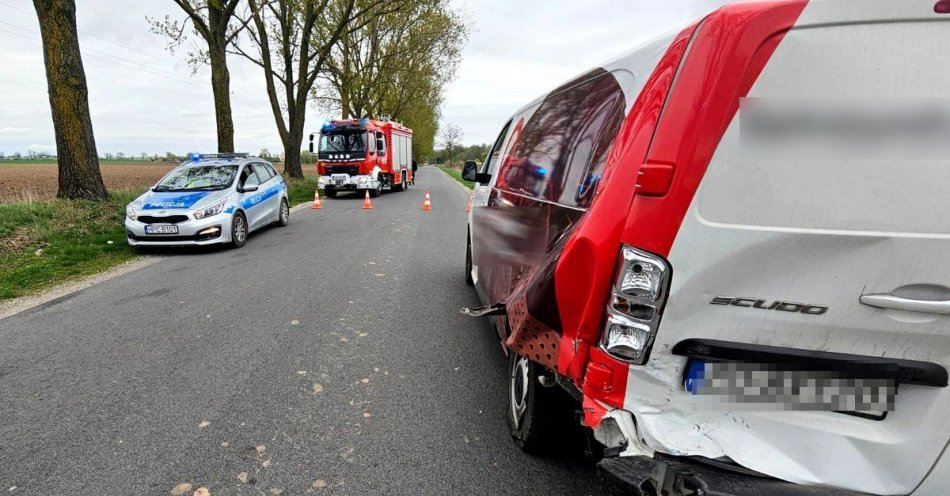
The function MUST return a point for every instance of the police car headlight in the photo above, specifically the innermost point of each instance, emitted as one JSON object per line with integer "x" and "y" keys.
{"x": 130, "y": 213}
{"x": 215, "y": 209}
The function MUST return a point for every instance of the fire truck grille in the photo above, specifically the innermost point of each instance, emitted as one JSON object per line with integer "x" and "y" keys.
{"x": 350, "y": 170}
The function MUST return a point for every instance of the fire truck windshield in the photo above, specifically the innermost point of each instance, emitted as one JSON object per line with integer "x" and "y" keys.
{"x": 349, "y": 142}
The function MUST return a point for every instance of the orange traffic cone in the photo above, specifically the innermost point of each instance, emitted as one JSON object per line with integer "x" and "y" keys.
{"x": 427, "y": 205}
{"x": 469, "y": 207}
{"x": 366, "y": 203}
{"x": 316, "y": 200}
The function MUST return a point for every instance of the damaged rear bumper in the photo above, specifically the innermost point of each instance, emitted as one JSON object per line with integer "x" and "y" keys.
{"x": 678, "y": 476}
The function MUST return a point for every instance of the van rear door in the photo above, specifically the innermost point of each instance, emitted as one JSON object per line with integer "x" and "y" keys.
{"x": 848, "y": 211}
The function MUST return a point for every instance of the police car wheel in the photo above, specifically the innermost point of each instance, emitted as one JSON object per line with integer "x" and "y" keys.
{"x": 238, "y": 230}
{"x": 284, "y": 217}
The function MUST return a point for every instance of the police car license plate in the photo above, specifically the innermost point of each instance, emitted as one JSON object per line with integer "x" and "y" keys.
{"x": 161, "y": 229}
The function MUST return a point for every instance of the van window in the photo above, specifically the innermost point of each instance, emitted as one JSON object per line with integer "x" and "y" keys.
{"x": 494, "y": 154}
{"x": 560, "y": 153}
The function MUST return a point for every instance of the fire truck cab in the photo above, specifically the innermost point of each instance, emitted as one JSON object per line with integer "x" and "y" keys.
{"x": 363, "y": 154}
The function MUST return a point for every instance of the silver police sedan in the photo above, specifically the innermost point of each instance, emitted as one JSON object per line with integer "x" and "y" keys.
{"x": 211, "y": 198}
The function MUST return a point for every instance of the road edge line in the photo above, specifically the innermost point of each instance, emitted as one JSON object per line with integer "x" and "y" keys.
{"x": 23, "y": 303}
{"x": 466, "y": 189}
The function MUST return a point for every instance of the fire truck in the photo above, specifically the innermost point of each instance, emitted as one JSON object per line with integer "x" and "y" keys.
{"x": 363, "y": 154}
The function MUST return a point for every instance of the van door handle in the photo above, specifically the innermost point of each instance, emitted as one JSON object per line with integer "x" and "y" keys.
{"x": 941, "y": 307}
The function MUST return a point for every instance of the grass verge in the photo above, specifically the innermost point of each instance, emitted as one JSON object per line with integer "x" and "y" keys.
{"x": 301, "y": 190}
{"x": 457, "y": 175}
{"x": 48, "y": 242}
{"x": 43, "y": 243}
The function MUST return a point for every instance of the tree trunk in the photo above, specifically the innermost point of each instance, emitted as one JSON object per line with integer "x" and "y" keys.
{"x": 79, "y": 175}
{"x": 217, "y": 33}
{"x": 292, "y": 167}
{"x": 221, "y": 87}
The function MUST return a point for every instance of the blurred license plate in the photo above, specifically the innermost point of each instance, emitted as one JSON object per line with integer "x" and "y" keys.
{"x": 764, "y": 386}
{"x": 161, "y": 229}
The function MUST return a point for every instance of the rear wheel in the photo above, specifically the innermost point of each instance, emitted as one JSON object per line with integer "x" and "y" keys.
{"x": 402, "y": 184}
{"x": 239, "y": 230}
{"x": 283, "y": 218}
{"x": 540, "y": 419}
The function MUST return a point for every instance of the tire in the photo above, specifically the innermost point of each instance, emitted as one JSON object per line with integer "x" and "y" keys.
{"x": 376, "y": 192}
{"x": 468, "y": 263}
{"x": 540, "y": 419}
{"x": 329, "y": 193}
{"x": 283, "y": 218}
{"x": 401, "y": 186}
{"x": 239, "y": 230}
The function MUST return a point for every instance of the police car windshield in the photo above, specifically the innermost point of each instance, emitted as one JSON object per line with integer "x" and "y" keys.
{"x": 342, "y": 141}
{"x": 198, "y": 178}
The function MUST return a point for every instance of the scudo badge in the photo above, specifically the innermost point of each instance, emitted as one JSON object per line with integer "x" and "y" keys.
{"x": 762, "y": 304}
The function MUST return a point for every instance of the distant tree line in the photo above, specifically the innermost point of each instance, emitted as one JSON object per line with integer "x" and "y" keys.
{"x": 461, "y": 154}
{"x": 360, "y": 58}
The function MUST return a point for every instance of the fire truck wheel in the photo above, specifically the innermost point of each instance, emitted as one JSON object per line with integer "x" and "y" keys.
{"x": 376, "y": 192}
{"x": 401, "y": 186}
{"x": 468, "y": 263}
{"x": 330, "y": 193}
{"x": 538, "y": 416}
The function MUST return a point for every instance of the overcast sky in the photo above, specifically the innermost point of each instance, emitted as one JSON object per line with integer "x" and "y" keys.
{"x": 144, "y": 99}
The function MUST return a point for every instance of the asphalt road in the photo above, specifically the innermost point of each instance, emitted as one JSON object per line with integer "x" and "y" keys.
{"x": 325, "y": 357}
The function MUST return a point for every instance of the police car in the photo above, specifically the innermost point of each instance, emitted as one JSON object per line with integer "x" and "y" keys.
{"x": 210, "y": 198}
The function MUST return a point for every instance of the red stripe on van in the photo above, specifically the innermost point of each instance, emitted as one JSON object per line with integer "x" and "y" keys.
{"x": 725, "y": 59}
{"x": 586, "y": 264}
{"x": 728, "y": 53}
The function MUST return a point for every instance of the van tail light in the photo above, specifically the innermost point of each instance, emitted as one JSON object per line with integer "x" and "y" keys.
{"x": 636, "y": 303}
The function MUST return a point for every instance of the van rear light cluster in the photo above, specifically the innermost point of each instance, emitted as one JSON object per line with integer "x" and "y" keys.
{"x": 635, "y": 306}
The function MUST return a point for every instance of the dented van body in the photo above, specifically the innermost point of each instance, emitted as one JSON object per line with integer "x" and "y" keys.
{"x": 661, "y": 249}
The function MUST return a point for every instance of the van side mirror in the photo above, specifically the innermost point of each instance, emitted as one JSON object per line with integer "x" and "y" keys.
{"x": 469, "y": 171}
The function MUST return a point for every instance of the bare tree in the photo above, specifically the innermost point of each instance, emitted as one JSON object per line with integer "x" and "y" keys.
{"x": 394, "y": 61}
{"x": 451, "y": 138}
{"x": 79, "y": 175}
{"x": 292, "y": 40}
{"x": 396, "y": 66}
{"x": 211, "y": 21}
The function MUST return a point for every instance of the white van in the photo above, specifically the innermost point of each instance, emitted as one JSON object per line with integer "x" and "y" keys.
{"x": 731, "y": 248}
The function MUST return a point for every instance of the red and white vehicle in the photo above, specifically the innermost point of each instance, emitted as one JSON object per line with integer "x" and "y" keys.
{"x": 731, "y": 247}
{"x": 364, "y": 154}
